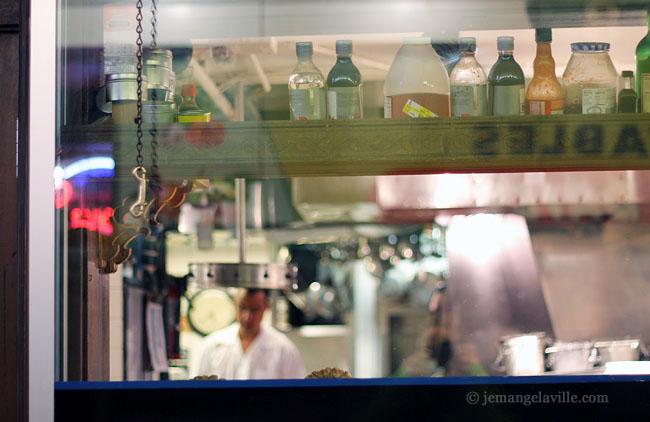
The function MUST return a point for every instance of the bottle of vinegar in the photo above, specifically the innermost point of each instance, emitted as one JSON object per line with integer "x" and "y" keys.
{"x": 468, "y": 83}
{"x": 642, "y": 54}
{"x": 506, "y": 83}
{"x": 307, "y": 90}
{"x": 344, "y": 100}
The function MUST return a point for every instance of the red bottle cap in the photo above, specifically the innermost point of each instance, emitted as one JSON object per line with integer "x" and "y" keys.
{"x": 188, "y": 90}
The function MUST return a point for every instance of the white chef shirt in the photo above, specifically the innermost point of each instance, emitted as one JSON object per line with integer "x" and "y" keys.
{"x": 271, "y": 355}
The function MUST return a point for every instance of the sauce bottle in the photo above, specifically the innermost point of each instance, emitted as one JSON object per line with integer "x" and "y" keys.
{"x": 544, "y": 94}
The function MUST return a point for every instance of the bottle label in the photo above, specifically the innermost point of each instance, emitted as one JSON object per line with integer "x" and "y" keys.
{"x": 416, "y": 105}
{"x": 509, "y": 100}
{"x": 468, "y": 100}
{"x": 307, "y": 104}
{"x": 388, "y": 107}
{"x": 344, "y": 103}
{"x": 598, "y": 100}
{"x": 540, "y": 108}
{"x": 645, "y": 92}
{"x": 415, "y": 110}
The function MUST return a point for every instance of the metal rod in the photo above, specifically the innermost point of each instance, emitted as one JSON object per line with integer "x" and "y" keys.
{"x": 240, "y": 205}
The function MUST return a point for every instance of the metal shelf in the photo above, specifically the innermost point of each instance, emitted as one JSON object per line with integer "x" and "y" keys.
{"x": 383, "y": 147}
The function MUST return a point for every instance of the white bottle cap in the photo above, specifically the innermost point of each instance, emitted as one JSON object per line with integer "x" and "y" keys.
{"x": 416, "y": 40}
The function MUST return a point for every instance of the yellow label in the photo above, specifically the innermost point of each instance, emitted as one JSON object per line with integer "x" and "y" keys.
{"x": 193, "y": 118}
{"x": 414, "y": 109}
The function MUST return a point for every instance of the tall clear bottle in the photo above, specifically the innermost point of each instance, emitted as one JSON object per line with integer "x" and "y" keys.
{"x": 544, "y": 94}
{"x": 506, "y": 83}
{"x": 344, "y": 98}
{"x": 307, "y": 92}
{"x": 468, "y": 82}
{"x": 642, "y": 54}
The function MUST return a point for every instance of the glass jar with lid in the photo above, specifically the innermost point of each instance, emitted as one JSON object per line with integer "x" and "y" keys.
{"x": 590, "y": 80}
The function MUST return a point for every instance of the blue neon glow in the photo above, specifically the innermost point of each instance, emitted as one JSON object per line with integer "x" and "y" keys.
{"x": 93, "y": 163}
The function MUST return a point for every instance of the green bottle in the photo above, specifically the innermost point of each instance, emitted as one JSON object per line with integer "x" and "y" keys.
{"x": 627, "y": 98}
{"x": 506, "y": 83}
{"x": 643, "y": 71}
{"x": 344, "y": 100}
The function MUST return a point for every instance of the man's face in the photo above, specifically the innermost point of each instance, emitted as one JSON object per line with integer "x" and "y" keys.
{"x": 250, "y": 310}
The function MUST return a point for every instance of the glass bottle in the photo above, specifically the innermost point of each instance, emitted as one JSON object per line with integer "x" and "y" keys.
{"x": 590, "y": 80}
{"x": 468, "y": 82}
{"x": 506, "y": 82}
{"x": 544, "y": 94}
{"x": 189, "y": 111}
{"x": 627, "y": 98}
{"x": 642, "y": 54}
{"x": 344, "y": 98}
{"x": 307, "y": 90}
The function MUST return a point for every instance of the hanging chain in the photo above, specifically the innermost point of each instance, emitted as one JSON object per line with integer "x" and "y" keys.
{"x": 138, "y": 119}
{"x": 153, "y": 131}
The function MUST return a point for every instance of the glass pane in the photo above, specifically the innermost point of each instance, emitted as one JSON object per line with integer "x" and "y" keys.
{"x": 419, "y": 200}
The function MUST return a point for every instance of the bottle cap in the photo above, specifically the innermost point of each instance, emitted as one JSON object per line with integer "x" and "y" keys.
{"x": 505, "y": 43}
{"x": 590, "y": 46}
{"x": 543, "y": 35}
{"x": 416, "y": 41}
{"x": 627, "y": 74}
{"x": 343, "y": 47}
{"x": 188, "y": 90}
{"x": 304, "y": 49}
{"x": 467, "y": 44}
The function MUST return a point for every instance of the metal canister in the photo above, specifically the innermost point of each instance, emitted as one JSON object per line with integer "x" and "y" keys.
{"x": 158, "y": 74}
{"x": 159, "y": 112}
{"x": 124, "y": 87}
{"x": 159, "y": 55}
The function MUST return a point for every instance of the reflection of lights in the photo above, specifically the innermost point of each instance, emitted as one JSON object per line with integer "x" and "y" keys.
{"x": 93, "y": 163}
{"x": 392, "y": 239}
{"x": 63, "y": 194}
{"x": 394, "y": 260}
{"x": 315, "y": 286}
{"x": 407, "y": 253}
{"x": 436, "y": 233}
{"x": 413, "y": 239}
{"x": 329, "y": 296}
{"x": 480, "y": 235}
{"x": 284, "y": 255}
{"x": 386, "y": 253}
{"x": 58, "y": 176}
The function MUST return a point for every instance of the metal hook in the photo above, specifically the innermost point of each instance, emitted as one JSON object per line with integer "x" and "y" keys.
{"x": 139, "y": 206}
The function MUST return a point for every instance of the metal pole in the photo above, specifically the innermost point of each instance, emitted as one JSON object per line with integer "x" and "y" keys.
{"x": 240, "y": 184}
{"x": 240, "y": 205}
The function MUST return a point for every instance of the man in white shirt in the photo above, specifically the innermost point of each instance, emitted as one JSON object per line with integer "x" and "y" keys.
{"x": 246, "y": 349}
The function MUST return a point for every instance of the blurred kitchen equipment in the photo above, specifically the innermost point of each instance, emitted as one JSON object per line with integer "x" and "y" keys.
{"x": 260, "y": 276}
{"x": 122, "y": 92}
{"x": 571, "y": 357}
{"x": 241, "y": 274}
{"x": 158, "y": 112}
{"x": 619, "y": 350}
{"x": 523, "y": 354}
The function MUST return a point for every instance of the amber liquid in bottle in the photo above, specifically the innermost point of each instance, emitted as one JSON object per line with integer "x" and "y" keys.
{"x": 544, "y": 95}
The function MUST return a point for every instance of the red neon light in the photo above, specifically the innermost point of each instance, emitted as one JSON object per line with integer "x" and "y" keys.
{"x": 94, "y": 220}
{"x": 63, "y": 194}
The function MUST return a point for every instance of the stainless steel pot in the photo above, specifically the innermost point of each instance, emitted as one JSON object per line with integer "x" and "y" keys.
{"x": 160, "y": 55}
{"x": 572, "y": 357}
{"x": 158, "y": 74}
{"x": 159, "y": 112}
{"x": 618, "y": 350}
{"x": 523, "y": 354}
{"x": 124, "y": 87}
